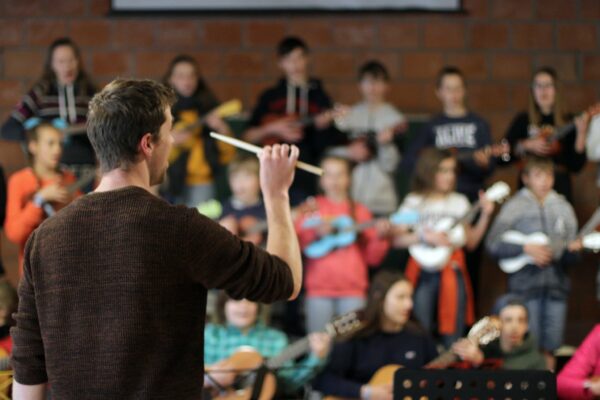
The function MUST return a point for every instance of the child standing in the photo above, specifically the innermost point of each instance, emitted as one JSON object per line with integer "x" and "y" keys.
{"x": 196, "y": 157}
{"x": 446, "y": 288}
{"x": 34, "y": 193}
{"x": 371, "y": 125}
{"x": 543, "y": 283}
{"x": 337, "y": 282}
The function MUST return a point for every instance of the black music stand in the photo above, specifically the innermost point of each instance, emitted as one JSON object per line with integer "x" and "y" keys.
{"x": 434, "y": 384}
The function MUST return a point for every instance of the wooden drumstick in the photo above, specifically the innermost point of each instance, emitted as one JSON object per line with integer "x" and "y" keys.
{"x": 256, "y": 150}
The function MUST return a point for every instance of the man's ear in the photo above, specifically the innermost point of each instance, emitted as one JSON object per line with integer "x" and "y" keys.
{"x": 146, "y": 145}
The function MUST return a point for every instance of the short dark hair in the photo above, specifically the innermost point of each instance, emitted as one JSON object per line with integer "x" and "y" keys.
{"x": 289, "y": 44}
{"x": 509, "y": 300}
{"x": 121, "y": 114}
{"x": 374, "y": 69}
{"x": 449, "y": 70}
{"x": 534, "y": 161}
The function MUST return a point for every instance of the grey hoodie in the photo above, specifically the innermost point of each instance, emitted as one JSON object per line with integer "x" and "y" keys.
{"x": 525, "y": 214}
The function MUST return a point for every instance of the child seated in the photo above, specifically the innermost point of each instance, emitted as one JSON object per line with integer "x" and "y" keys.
{"x": 516, "y": 347}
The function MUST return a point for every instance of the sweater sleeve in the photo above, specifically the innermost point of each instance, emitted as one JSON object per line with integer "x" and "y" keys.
{"x": 22, "y": 216}
{"x": 517, "y": 131}
{"x": 373, "y": 248}
{"x": 581, "y": 367}
{"x": 593, "y": 140}
{"x": 27, "y": 108}
{"x": 503, "y": 222}
{"x": 573, "y": 160}
{"x": 219, "y": 259}
{"x": 388, "y": 157}
{"x": 469, "y": 166}
{"x": 334, "y": 379}
{"x": 2, "y": 197}
{"x": 411, "y": 155}
{"x": 28, "y": 360}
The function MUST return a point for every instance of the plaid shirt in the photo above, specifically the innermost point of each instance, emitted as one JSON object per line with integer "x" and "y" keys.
{"x": 221, "y": 342}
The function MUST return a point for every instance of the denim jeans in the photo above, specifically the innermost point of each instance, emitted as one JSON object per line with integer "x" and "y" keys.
{"x": 426, "y": 299}
{"x": 321, "y": 310}
{"x": 547, "y": 318}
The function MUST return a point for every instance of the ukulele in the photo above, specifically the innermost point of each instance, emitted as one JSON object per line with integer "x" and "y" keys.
{"x": 346, "y": 231}
{"x": 245, "y": 362}
{"x": 190, "y": 122}
{"x": 553, "y": 135}
{"x": 483, "y": 332}
{"x": 82, "y": 182}
{"x": 436, "y": 257}
{"x": 498, "y": 150}
{"x": 298, "y": 121}
{"x": 590, "y": 240}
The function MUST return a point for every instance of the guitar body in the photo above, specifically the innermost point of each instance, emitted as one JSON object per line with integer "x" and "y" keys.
{"x": 289, "y": 118}
{"x": 326, "y": 244}
{"x": 514, "y": 264}
{"x": 435, "y": 258}
{"x": 244, "y": 359}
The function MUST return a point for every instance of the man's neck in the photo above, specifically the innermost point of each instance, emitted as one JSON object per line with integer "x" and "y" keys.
{"x": 119, "y": 178}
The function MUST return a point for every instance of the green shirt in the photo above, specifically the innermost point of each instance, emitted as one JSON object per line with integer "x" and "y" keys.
{"x": 221, "y": 342}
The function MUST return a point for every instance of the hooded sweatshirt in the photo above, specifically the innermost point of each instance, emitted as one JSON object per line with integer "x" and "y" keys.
{"x": 525, "y": 356}
{"x": 48, "y": 102}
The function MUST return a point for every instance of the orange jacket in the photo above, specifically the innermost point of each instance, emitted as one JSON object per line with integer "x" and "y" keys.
{"x": 22, "y": 215}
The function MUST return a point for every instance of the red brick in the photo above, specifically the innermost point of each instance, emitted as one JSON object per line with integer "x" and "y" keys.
{"x": 265, "y": 33}
{"x": 316, "y": 32}
{"x": 222, "y": 33}
{"x": 210, "y": 64}
{"x": 590, "y": 9}
{"x": 512, "y": 9}
{"x": 556, "y": 9}
{"x": 444, "y": 35}
{"x": 343, "y": 93}
{"x": 64, "y": 8}
{"x": 577, "y": 97}
{"x": 20, "y": 8}
{"x": 476, "y": 8}
{"x": 10, "y": 93}
{"x": 519, "y": 97}
{"x": 577, "y": 37}
{"x": 473, "y": 64}
{"x": 177, "y": 33}
{"x": 133, "y": 33}
{"x": 532, "y": 36}
{"x": 333, "y": 65}
{"x": 152, "y": 64}
{"x": 409, "y": 96}
{"x": 396, "y": 34}
{"x": 227, "y": 90}
{"x": 23, "y": 63}
{"x": 421, "y": 65}
{"x": 90, "y": 32}
{"x": 12, "y": 32}
{"x": 244, "y": 64}
{"x": 591, "y": 67}
{"x": 41, "y": 32}
{"x": 354, "y": 33}
{"x": 99, "y": 7}
{"x": 485, "y": 97}
{"x": 564, "y": 64}
{"x": 111, "y": 63}
{"x": 511, "y": 66}
{"x": 489, "y": 36}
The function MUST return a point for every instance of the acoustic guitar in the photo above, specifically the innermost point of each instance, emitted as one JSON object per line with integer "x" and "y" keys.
{"x": 246, "y": 362}
{"x": 483, "y": 332}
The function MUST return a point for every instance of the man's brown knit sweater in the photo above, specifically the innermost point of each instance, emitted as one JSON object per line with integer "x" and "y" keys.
{"x": 113, "y": 296}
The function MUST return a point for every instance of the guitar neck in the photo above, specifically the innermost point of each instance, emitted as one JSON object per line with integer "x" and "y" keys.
{"x": 591, "y": 225}
{"x": 295, "y": 350}
{"x": 443, "y": 360}
{"x": 469, "y": 215}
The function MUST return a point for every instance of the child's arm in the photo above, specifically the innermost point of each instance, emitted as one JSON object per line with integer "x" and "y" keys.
{"x": 476, "y": 232}
{"x": 22, "y": 215}
{"x": 504, "y": 221}
{"x": 373, "y": 247}
{"x": 571, "y": 379}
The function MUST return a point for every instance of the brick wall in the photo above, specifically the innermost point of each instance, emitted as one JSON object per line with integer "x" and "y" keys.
{"x": 496, "y": 42}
